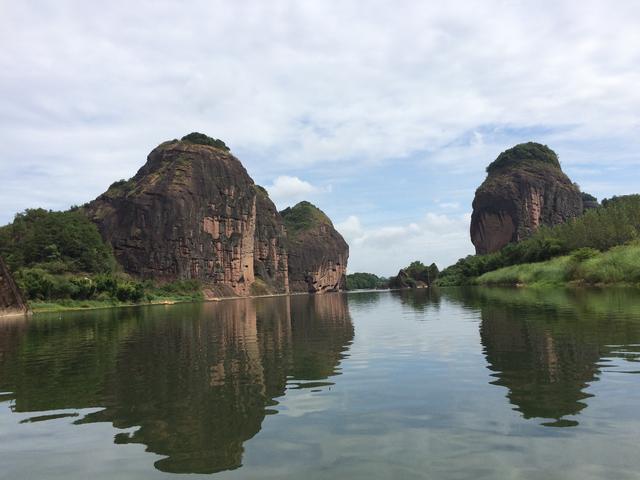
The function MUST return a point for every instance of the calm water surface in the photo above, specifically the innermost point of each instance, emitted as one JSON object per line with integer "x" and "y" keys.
{"x": 459, "y": 384}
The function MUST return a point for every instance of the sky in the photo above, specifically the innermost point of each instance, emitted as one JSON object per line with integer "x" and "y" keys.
{"x": 383, "y": 114}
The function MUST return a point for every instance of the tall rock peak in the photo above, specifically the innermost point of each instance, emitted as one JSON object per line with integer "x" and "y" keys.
{"x": 317, "y": 252}
{"x": 193, "y": 212}
{"x": 524, "y": 189}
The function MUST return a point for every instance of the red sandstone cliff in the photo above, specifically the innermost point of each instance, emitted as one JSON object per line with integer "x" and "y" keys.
{"x": 193, "y": 212}
{"x": 525, "y": 188}
{"x": 317, "y": 252}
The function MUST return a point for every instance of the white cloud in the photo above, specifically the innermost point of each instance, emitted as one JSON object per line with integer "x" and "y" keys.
{"x": 384, "y": 249}
{"x": 449, "y": 205}
{"x": 321, "y": 89}
{"x": 286, "y": 191}
{"x": 351, "y": 228}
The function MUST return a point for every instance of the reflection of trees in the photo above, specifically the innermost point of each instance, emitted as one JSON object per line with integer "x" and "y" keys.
{"x": 419, "y": 299}
{"x": 196, "y": 380}
{"x": 364, "y": 298}
{"x": 545, "y": 346}
{"x": 55, "y": 365}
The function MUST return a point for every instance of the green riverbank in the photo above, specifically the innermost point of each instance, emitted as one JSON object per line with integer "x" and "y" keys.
{"x": 617, "y": 266}
{"x": 69, "y": 304}
{"x": 65, "y": 305}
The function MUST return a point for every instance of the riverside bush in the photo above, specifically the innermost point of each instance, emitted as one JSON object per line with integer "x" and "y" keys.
{"x": 619, "y": 265}
{"x": 362, "y": 280}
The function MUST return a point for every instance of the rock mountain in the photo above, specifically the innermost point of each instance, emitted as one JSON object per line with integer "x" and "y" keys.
{"x": 317, "y": 252}
{"x": 524, "y": 189}
{"x": 193, "y": 212}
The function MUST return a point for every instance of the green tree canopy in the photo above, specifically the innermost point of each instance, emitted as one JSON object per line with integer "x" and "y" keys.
{"x": 202, "y": 139}
{"x": 361, "y": 280}
{"x": 524, "y": 153}
{"x": 68, "y": 239}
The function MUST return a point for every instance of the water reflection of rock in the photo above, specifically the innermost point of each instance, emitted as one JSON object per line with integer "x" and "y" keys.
{"x": 318, "y": 346}
{"x": 195, "y": 383}
{"x": 546, "y": 373}
{"x": 546, "y": 347}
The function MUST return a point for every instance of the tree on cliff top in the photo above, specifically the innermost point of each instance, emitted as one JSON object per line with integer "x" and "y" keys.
{"x": 201, "y": 139}
{"x": 524, "y": 153}
{"x": 303, "y": 216}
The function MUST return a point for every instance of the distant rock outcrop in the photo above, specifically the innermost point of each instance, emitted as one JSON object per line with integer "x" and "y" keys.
{"x": 11, "y": 300}
{"x": 317, "y": 252}
{"x": 402, "y": 280}
{"x": 525, "y": 188}
{"x": 193, "y": 212}
{"x": 416, "y": 275}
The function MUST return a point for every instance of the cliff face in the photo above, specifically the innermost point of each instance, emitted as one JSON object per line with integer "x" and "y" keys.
{"x": 270, "y": 255}
{"x": 525, "y": 188}
{"x": 11, "y": 301}
{"x": 317, "y": 252}
{"x": 193, "y": 212}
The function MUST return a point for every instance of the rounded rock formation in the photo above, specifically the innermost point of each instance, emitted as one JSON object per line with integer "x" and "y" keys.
{"x": 524, "y": 189}
{"x": 193, "y": 212}
{"x": 317, "y": 252}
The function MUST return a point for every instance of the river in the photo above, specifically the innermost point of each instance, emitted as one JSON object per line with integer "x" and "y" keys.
{"x": 452, "y": 384}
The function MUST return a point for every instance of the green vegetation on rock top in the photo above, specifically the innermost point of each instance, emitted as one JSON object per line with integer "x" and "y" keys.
{"x": 120, "y": 187}
{"x": 261, "y": 190}
{"x": 415, "y": 272}
{"x": 201, "y": 139}
{"x": 524, "y": 153}
{"x": 303, "y": 216}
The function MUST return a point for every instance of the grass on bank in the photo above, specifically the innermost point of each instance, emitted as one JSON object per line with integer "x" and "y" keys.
{"x": 65, "y": 304}
{"x": 551, "y": 272}
{"x": 617, "y": 266}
